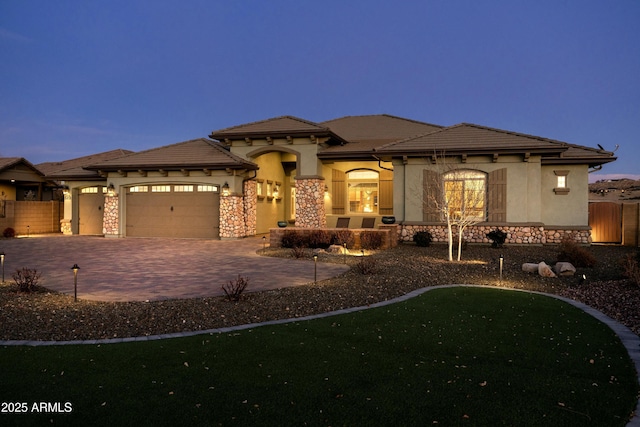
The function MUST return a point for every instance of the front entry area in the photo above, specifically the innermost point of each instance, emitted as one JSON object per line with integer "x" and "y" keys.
{"x": 173, "y": 210}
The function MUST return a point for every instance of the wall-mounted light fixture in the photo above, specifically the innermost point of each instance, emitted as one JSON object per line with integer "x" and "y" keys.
{"x": 225, "y": 189}
{"x": 111, "y": 190}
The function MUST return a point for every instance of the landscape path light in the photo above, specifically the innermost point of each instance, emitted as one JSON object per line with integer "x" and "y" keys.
{"x": 501, "y": 263}
{"x": 75, "y": 269}
{"x": 2, "y": 262}
{"x": 344, "y": 251}
{"x": 264, "y": 242}
{"x": 315, "y": 268}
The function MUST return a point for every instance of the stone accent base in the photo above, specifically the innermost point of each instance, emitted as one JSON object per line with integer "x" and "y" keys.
{"x": 110, "y": 220}
{"x": 65, "y": 226}
{"x": 232, "y": 217}
{"x": 515, "y": 234}
{"x": 250, "y": 208}
{"x": 310, "y": 203}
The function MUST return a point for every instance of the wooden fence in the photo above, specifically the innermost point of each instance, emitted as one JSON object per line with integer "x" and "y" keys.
{"x": 617, "y": 223}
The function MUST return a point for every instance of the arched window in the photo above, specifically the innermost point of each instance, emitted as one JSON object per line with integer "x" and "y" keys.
{"x": 363, "y": 191}
{"x": 465, "y": 194}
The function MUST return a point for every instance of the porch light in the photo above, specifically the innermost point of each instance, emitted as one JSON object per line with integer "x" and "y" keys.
{"x": 2, "y": 262}
{"x": 75, "y": 269}
{"x": 111, "y": 190}
{"x": 225, "y": 189}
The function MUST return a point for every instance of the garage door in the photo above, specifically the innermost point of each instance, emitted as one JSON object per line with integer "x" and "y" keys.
{"x": 90, "y": 207}
{"x": 173, "y": 210}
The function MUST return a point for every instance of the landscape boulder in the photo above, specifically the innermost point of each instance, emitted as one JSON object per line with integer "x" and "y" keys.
{"x": 564, "y": 269}
{"x": 530, "y": 267}
{"x": 545, "y": 271}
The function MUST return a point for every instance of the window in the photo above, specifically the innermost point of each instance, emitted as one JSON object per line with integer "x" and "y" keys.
{"x": 183, "y": 188}
{"x": 363, "y": 191}
{"x": 465, "y": 192}
{"x": 138, "y": 189}
{"x": 260, "y": 188}
{"x": 207, "y": 188}
{"x": 562, "y": 186}
{"x": 160, "y": 188}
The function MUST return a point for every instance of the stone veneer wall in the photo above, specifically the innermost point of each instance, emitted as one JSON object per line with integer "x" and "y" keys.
{"x": 310, "y": 211}
{"x": 515, "y": 234}
{"x": 232, "y": 220}
{"x": 110, "y": 219}
{"x": 250, "y": 207}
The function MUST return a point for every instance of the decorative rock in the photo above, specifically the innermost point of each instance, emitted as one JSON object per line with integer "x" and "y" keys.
{"x": 564, "y": 269}
{"x": 545, "y": 271}
{"x": 335, "y": 249}
{"x": 530, "y": 267}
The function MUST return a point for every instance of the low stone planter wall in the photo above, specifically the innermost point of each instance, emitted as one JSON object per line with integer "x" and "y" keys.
{"x": 515, "y": 234}
{"x": 390, "y": 234}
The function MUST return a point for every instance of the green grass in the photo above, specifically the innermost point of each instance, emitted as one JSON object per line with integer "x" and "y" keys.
{"x": 457, "y": 356}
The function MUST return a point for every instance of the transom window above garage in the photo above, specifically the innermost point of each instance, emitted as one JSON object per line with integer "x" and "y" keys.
{"x": 92, "y": 190}
{"x": 160, "y": 188}
{"x": 207, "y": 188}
{"x": 139, "y": 189}
{"x": 183, "y": 188}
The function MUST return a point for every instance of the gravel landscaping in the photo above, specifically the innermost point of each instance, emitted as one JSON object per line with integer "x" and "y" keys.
{"x": 45, "y": 315}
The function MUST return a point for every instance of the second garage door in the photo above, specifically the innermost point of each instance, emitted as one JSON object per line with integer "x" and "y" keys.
{"x": 173, "y": 210}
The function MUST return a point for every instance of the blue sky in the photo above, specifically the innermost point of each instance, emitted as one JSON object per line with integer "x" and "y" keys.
{"x": 81, "y": 77}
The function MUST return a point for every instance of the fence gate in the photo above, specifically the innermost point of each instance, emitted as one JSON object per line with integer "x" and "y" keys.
{"x": 605, "y": 220}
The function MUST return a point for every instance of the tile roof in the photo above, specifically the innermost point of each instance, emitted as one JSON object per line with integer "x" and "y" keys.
{"x": 199, "y": 153}
{"x": 74, "y": 168}
{"x": 277, "y": 126}
{"x": 365, "y": 133}
{"x": 465, "y": 138}
{"x": 7, "y": 163}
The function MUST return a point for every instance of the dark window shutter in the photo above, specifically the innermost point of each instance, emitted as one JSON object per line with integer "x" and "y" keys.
{"x": 386, "y": 193}
{"x": 497, "y": 195}
{"x": 431, "y": 185}
{"x": 338, "y": 192}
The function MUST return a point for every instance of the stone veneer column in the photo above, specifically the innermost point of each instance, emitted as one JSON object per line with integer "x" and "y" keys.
{"x": 232, "y": 221}
{"x": 310, "y": 211}
{"x": 110, "y": 219}
{"x": 250, "y": 201}
{"x": 65, "y": 223}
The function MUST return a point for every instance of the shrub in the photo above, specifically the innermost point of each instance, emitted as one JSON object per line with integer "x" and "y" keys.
{"x": 371, "y": 239}
{"x": 26, "y": 279}
{"x": 497, "y": 238}
{"x": 570, "y": 251}
{"x": 294, "y": 239}
{"x": 233, "y": 290}
{"x": 366, "y": 265}
{"x": 422, "y": 238}
{"x": 340, "y": 237}
{"x": 9, "y": 232}
{"x": 631, "y": 268}
{"x": 298, "y": 252}
{"x": 319, "y": 239}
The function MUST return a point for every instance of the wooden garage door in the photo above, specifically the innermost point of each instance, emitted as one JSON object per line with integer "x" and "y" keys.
{"x": 173, "y": 211}
{"x": 90, "y": 210}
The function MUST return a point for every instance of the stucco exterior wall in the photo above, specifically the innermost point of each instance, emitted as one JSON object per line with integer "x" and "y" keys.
{"x": 270, "y": 209}
{"x": 565, "y": 208}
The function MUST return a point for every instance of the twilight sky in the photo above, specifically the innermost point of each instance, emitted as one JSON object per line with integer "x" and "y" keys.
{"x": 82, "y": 77}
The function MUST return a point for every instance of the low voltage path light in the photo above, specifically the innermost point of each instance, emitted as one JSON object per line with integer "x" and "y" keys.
{"x": 344, "y": 251}
{"x": 75, "y": 269}
{"x": 501, "y": 264}
{"x": 2, "y": 262}
{"x": 264, "y": 242}
{"x": 315, "y": 268}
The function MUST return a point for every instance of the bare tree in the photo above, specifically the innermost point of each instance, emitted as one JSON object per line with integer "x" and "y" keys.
{"x": 454, "y": 195}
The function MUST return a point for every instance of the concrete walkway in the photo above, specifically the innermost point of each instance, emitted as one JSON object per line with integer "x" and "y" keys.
{"x": 139, "y": 269}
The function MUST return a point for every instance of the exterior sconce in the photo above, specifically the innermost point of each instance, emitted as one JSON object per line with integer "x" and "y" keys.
{"x": 111, "y": 190}
{"x": 276, "y": 191}
{"x": 225, "y": 189}
{"x": 75, "y": 269}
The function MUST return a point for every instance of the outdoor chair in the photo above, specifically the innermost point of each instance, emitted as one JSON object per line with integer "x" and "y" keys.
{"x": 343, "y": 222}
{"x": 368, "y": 222}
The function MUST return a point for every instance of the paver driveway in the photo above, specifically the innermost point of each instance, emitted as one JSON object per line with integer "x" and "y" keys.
{"x": 139, "y": 269}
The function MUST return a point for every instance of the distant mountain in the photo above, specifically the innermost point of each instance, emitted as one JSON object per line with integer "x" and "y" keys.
{"x": 623, "y": 189}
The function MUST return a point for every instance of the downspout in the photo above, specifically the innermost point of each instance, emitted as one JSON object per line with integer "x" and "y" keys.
{"x": 379, "y": 165}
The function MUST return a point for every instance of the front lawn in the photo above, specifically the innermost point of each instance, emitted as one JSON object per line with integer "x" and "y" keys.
{"x": 457, "y": 356}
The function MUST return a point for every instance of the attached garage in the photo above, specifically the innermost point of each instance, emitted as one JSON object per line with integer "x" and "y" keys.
{"x": 90, "y": 210}
{"x": 173, "y": 210}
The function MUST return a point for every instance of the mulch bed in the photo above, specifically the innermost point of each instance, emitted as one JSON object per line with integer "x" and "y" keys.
{"x": 44, "y": 315}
